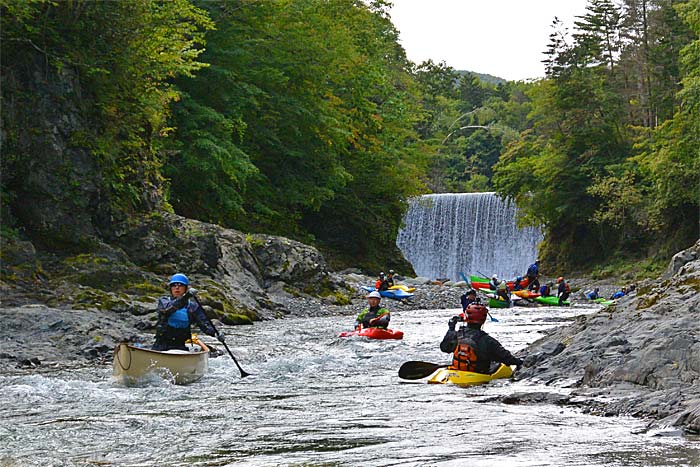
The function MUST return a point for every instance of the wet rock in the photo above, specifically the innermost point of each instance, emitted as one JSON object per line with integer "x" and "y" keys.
{"x": 649, "y": 345}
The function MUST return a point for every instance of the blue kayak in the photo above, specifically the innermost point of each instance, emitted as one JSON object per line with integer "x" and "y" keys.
{"x": 396, "y": 294}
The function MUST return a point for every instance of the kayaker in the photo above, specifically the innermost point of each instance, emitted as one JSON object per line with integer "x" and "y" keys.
{"x": 620, "y": 293}
{"x": 517, "y": 285}
{"x": 373, "y": 316}
{"x": 175, "y": 315}
{"x": 390, "y": 278}
{"x": 533, "y": 274}
{"x": 473, "y": 349}
{"x": 592, "y": 294}
{"x": 493, "y": 283}
{"x": 502, "y": 292}
{"x": 381, "y": 283}
{"x": 546, "y": 289}
{"x": 563, "y": 290}
{"x": 468, "y": 298}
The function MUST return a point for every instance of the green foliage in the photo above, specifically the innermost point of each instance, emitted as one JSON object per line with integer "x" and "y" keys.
{"x": 125, "y": 55}
{"x": 586, "y": 170}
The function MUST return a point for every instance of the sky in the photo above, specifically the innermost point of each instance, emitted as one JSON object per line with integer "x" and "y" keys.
{"x": 504, "y": 38}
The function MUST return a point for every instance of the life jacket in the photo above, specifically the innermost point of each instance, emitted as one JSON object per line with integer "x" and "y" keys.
{"x": 179, "y": 319}
{"x": 464, "y": 357}
{"x": 567, "y": 289}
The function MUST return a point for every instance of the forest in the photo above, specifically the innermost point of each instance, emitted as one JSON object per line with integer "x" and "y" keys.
{"x": 304, "y": 118}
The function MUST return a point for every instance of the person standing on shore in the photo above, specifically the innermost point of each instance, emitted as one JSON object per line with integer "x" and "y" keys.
{"x": 563, "y": 290}
{"x": 532, "y": 275}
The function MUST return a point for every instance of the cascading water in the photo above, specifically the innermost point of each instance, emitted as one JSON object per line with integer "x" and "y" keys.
{"x": 473, "y": 233}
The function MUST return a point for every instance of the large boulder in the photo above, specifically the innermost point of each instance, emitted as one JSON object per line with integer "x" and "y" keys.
{"x": 648, "y": 341}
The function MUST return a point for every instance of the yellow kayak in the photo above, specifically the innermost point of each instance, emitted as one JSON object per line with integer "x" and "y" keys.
{"x": 405, "y": 288}
{"x": 468, "y": 378}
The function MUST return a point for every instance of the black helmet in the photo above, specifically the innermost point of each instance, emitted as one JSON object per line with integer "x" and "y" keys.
{"x": 471, "y": 291}
{"x": 381, "y": 274}
{"x": 391, "y": 271}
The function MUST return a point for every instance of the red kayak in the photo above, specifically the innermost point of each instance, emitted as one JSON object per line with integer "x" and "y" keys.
{"x": 374, "y": 333}
{"x": 478, "y": 282}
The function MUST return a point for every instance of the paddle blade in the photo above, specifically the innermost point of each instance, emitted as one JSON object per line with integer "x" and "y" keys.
{"x": 418, "y": 370}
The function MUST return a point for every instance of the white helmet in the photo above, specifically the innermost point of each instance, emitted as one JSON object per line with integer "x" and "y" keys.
{"x": 374, "y": 294}
{"x": 495, "y": 276}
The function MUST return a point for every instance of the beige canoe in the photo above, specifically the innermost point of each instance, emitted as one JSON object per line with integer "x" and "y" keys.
{"x": 134, "y": 364}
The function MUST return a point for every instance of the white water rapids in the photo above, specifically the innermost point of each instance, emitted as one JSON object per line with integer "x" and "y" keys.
{"x": 319, "y": 400}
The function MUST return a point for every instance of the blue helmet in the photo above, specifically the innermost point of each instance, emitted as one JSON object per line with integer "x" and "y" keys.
{"x": 179, "y": 278}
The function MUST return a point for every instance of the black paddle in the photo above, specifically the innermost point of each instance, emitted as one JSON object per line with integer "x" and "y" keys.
{"x": 193, "y": 293}
{"x": 418, "y": 370}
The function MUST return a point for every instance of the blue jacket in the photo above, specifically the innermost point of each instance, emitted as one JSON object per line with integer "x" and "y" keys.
{"x": 168, "y": 317}
{"x": 533, "y": 270}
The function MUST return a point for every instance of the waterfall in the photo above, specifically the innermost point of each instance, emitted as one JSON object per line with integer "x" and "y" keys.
{"x": 446, "y": 234}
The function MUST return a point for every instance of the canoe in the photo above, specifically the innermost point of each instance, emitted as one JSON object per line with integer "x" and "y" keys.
{"x": 132, "y": 363}
{"x": 405, "y": 288}
{"x": 396, "y": 294}
{"x": 468, "y": 378}
{"x": 374, "y": 333}
{"x": 479, "y": 282}
{"x": 551, "y": 300}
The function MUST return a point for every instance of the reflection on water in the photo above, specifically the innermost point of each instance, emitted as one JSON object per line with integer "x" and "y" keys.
{"x": 317, "y": 400}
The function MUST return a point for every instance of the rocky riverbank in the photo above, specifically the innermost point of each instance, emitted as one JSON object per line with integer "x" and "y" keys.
{"x": 640, "y": 356}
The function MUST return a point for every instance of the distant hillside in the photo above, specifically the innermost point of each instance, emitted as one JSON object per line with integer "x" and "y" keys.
{"x": 484, "y": 77}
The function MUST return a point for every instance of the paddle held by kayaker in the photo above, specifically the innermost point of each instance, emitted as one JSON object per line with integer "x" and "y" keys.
{"x": 176, "y": 313}
{"x": 374, "y": 316}
{"x": 473, "y": 349}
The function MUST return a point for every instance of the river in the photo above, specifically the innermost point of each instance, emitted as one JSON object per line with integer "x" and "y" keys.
{"x": 318, "y": 400}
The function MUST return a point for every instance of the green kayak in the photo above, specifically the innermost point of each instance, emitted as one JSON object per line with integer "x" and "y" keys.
{"x": 496, "y": 303}
{"x": 603, "y": 301}
{"x": 552, "y": 300}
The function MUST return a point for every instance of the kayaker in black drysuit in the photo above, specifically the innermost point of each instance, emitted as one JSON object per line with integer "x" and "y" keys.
{"x": 473, "y": 349}
{"x": 563, "y": 290}
{"x": 175, "y": 314}
{"x": 468, "y": 298}
{"x": 373, "y": 316}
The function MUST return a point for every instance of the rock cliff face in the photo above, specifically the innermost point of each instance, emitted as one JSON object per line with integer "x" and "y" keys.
{"x": 643, "y": 352}
{"x": 240, "y": 276}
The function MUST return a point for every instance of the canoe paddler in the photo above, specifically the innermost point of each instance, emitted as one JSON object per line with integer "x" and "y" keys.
{"x": 176, "y": 313}
{"x": 374, "y": 316}
{"x": 473, "y": 349}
